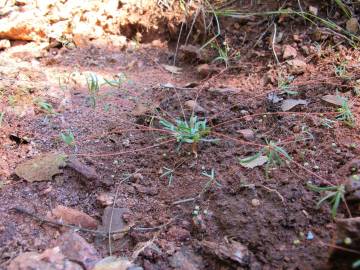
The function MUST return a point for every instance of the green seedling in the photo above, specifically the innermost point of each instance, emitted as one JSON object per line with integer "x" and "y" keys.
{"x": 117, "y": 80}
{"x": 223, "y": 54}
{"x": 284, "y": 85}
{"x": 345, "y": 114}
{"x": 93, "y": 88}
{"x": 169, "y": 173}
{"x": 334, "y": 194}
{"x": 340, "y": 70}
{"x": 45, "y": 106}
{"x": 11, "y": 100}
{"x": 272, "y": 154}
{"x": 211, "y": 181}
{"x": 68, "y": 138}
{"x": 192, "y": 131}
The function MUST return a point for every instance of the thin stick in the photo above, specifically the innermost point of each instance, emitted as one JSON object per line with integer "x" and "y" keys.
{"x": 273, "y": 45}
{"x": 113, "y": 206}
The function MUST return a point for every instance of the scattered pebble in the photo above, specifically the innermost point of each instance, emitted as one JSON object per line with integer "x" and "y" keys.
{"x": 310, "y": 236}
{"x": 296, "y": 242}
{"x": 255, "y": 202}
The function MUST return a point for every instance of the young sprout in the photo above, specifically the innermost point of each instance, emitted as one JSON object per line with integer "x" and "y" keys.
{"x": 68, "y": 138}
{"x": 45, "y": 106}
{"x": 192, "y": 131}
{"x": 223, "y": 53}
{"x": 1, "y": 118}
{"x": 93, "y": 88}
{"x": 212, "y": 180}
{"x": 345, "y": 114}
{"x": 334, "y": 194}
{"x": 271, "y": 154}
{"x": 169, "y": 173}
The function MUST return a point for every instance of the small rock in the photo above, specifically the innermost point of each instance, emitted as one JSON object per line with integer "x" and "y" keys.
{"x": 232, "y": 250}
{"x": 313, "y": 10}
{"x": 50, "y": 259}
{"x": 137, "y": 177}
{"x": 41, "y": 168}
{"x": 224, "y": 90}
{"x": 255, "y": 202}
{"x": 75, "y": 248}
{"x": 73, "y": 217}
{"x": 4, "y": 44}
{"x": 178, "y": 234}
{"x": 113, "y": 263}
{"x": 248, "y": 134}
{"x": 112, "y": 219}
{"x": 352, "y": 188}
{"x": 151, "y": 191}
{"x": 186, "y": 259}
{"x": 205, "y": 70}
{"x": 86, "y": 172}
{"x": 289, "y": 52}
{"x": 352, "y": 25}
{"x": 105, "y": 199}
{"x": 194, "y": 106}
{"x": 296, "y": 66}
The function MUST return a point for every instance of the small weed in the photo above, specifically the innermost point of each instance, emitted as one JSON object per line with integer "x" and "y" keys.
{"x": 45, "y": 106}
{"x": 93, "y": 88}
{"x": 335, "y": 194}
{"x": 275, "y": 155}
{"x": 68, "y": 138}
{"x": 192, "y": 131}
{"x": 223, "y": 53}
{"x": 284, "y": 85}
{"x": 211, "y": 181}
{"x": 117, "y": 80}
{"x": 328, "y": 123}
{"x": 11, "y": 101}
{"x": 340, "y": 70}
{"x": 169, "y": 173}
{"x": 345, "y": 114}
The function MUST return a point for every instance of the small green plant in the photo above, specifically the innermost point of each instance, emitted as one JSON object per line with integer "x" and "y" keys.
{"x": 68, "y": 138}
{"x": 328, "y": 123}
{"x": 272, "y": 154}
{"x": 345, "y": 114}
{"x": 117, "y": 80}
{"x": 169, "y": 173}
{"x": 334, "y": 194}
{"x": 341, "y": 70}
{"x": 93, "y": 88}
{"x": 11, "y": 100}
{"x": 192, "y": 131}
{"x": 45, "y": 106}
{"x": 211, "y": 181}
{"x": 223, "y": 53}
{"x": 284, "y": 85}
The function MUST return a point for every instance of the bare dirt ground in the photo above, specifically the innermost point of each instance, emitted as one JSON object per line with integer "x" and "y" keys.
{"x": 173, "y": 214}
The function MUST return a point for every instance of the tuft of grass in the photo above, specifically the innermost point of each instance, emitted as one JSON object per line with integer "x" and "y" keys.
{"x": 45, "y": 106}
{"x": 223, "y": 53}
{"x": 275, "y": 156}
{"x": 212, "y": 180}
{"x": 334, "y": 194}
{"x": 284, "y": 85}
{"x": 93, "y": 88}
{"x": 68, "y": 138}
{"x": 345, "y": 114}
{"x": 192, "y": 131}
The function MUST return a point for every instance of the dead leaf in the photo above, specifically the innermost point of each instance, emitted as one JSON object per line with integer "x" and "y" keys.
{"x": 334, "y": 99}
{"x": 259, "y": 161}
{"x": 172, "y": 69}
{"x": 291, "y": 103}
{"x": 41, "y": 168}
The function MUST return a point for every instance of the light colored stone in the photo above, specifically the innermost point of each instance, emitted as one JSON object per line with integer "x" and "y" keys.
{"x": 297, "y": 66}
{"x": 352, "y": 25}
{"x": 194, "y": 106}
{"x": 289, "y": 52}
{"x": 4, "y": 44}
